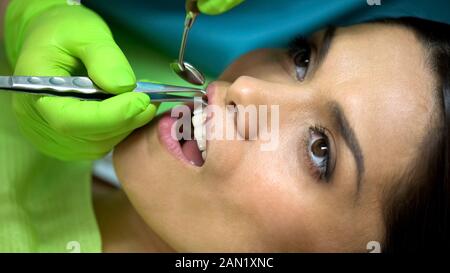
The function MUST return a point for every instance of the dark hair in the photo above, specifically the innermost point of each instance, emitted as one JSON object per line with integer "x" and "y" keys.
{"x": 417, "y": 210}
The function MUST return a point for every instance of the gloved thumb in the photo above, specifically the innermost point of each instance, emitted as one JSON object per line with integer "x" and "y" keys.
{"x": 107, "y": 66}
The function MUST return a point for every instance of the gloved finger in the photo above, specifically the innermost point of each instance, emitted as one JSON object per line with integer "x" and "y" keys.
{"x": 90, "y": 41}
{"x": 115, "y": 115}
{"x": 42, "y": 61}
{"x": 106, "y": 65}
{"x": 214, "y": 7}
{"x": 43, "y": 136}
{"x": 98, "y": 148}
{"x": 142, "y": 120}
{"x": 65, "y": 146}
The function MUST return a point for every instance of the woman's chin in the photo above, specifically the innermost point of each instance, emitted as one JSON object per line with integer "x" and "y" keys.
{"x": 130, "y": 154}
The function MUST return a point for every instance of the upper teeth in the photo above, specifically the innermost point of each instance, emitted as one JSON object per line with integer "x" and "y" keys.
{"x": 198, "y": 121}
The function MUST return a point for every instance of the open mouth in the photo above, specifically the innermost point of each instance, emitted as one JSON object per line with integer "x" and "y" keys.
{"x": 194, "y": 148}
{"x": 190, "y": 149}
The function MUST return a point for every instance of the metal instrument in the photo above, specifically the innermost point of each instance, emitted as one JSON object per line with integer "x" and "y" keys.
{"x": 183, "y": 69}
{"x": 84, "y": 88}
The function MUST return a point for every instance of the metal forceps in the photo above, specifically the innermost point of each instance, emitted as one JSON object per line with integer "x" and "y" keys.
{"x": 84, "y": 88}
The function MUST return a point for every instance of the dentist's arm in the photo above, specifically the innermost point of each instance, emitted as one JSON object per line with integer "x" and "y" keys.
{"x": 52, "y": 38}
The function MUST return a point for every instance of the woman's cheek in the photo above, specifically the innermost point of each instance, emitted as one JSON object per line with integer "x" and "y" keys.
{"x": 271, "y": 206}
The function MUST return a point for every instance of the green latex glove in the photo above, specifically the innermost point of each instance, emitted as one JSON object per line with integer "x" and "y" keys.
{"x": 52, "y": 38}
{"x": 214, "y": 7}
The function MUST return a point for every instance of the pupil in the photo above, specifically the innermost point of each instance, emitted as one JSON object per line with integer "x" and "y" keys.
{"x": 319, "y": 148}
{"x": 301, "y": 60}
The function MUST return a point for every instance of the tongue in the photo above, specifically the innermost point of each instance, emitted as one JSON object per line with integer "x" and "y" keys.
{"x": 192, "y": 153}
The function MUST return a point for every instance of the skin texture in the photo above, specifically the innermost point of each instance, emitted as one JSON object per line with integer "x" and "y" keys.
{"x": 245, "y": 199}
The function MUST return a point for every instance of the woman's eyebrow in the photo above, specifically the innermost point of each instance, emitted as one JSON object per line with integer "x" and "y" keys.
{"x": 325, "y": 45}
{"x": 349, "y": 136}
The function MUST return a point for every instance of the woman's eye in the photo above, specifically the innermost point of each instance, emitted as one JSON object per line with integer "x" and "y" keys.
{"x": 319, "y": 152}
{"x": 300, "y": 52}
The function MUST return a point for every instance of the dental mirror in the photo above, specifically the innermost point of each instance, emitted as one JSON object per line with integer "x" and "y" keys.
{"x": 183, "y": 69}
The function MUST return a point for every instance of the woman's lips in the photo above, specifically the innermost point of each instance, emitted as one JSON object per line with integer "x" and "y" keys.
{"x": 211, "y": 96}
{"x": 188, "y": 152}
{"x": 210, "y": 91}
{"x": 165, "y": 124}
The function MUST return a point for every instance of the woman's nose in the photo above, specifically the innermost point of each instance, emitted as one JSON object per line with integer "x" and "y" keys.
{"x": 247, "y": 90}
{"x": 254, "y": 103}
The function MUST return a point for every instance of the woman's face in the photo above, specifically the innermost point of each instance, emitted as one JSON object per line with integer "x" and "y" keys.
{"x": 351, "y": 118}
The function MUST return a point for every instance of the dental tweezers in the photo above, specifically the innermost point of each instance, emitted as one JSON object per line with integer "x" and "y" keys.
{"x": 84, "y": 88}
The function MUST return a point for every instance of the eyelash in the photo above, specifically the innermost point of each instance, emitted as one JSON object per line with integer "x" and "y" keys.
{"x": 300, "y": 47}
{"x": 320, "y": 172}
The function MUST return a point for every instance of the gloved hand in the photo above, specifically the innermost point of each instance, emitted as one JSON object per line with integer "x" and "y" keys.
{"x": 213, "y": 7}
{"x": 50, "y": 37}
